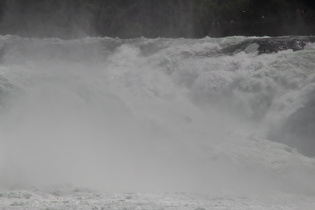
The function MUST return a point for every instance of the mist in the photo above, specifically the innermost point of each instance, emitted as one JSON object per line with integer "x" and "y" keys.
{"x": 112, "y": 122}
{"x": 139, "y": 116}
{"x": 119, "y": 96}
{"x": 79, "y": 19}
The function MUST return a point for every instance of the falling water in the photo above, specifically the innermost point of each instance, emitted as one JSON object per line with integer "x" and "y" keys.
{"x": 156, "y": 114}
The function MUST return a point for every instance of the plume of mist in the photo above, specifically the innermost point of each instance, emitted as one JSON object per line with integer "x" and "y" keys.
{"x": 63, "y": 19}
{"x": 103, "y": 113}
{"x": 77, "y": 19}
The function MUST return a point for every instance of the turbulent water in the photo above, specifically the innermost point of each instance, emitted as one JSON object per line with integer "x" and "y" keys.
{"x": 156, "y": 115}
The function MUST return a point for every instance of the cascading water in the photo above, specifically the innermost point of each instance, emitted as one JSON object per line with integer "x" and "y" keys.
{"x": 156, "y": 114}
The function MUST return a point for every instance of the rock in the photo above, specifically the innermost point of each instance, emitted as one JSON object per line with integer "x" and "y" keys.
{"x": 270, "y": 45}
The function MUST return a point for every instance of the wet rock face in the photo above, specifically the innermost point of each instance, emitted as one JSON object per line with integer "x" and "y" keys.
{"x": 271, "y": 45}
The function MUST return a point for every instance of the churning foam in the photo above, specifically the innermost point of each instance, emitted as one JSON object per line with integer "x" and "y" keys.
{"x": 142, "y": 114}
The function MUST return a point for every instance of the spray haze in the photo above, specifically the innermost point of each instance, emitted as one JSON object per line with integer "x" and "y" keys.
{"x": 78, "y": 19}
{"x": 110, "y": 120}
{"x": 148, "y": 115}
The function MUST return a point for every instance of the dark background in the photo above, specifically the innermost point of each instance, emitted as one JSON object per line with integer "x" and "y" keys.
{"x": 156, "y": 18}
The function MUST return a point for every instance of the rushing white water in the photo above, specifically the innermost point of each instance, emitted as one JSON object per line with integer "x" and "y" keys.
{"x": 155, "y": 115}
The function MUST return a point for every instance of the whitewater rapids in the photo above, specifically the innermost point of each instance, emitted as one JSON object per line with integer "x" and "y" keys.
{"x": 155, "y": 116}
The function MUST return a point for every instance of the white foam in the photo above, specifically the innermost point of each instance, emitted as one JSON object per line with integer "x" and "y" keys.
{"x": 148, "y": 115}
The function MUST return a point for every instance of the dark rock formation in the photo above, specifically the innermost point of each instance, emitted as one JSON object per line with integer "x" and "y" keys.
{"x": 271, "y": 45}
